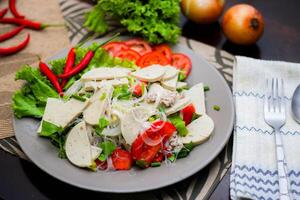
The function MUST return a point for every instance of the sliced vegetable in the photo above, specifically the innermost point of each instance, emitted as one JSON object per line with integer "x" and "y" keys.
{"x": 138, "y": 90}
{"x": 178, "y": 122}
{"x": 128, "y": 54}
{"x": 121, "y": 159}
{"x": 139, "y": 45}
{"x": 152, "y": 58}
{"x": 188, "y": 113}
{"x": 107, "y": 148}
{"x": 165, "y": 50}
{"x": 114, "y": 47}
{"x": 49, "y": 129}
{"x": 182, "y": 62}
{"x": 216, "y": 108}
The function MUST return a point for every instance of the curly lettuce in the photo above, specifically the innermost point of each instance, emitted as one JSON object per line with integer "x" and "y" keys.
{"x": 155, "y": 20}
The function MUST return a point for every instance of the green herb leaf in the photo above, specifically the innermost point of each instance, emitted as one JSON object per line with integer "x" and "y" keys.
{"x": 49, "y": 129}
{"x": 122, "y": 92}
{"x": 107, "y": 148}
{"x": 178, "y": 122}
{"x": 102, "y": 124}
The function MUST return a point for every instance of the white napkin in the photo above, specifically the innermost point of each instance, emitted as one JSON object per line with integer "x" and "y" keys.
{"x": 254, "y": 170}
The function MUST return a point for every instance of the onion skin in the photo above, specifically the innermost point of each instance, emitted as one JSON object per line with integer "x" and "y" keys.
{"x": 202, "y": 11}
{"x": 242, "y": 24}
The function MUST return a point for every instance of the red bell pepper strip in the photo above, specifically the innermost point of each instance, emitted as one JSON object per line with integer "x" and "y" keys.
{"x": 51, "y": 76}
{"x": 69, "y": 64}
{"x": 13, "y": 9}
{"x": 11, "y": 34}
{"x": 187, "y": 113}
{"x": 121, "y": 159}
{"x": 25, "y": 22}
{"x": 81, "y": 66}
{"x": 15, "y": 49}
{"x": 3, "y": 12}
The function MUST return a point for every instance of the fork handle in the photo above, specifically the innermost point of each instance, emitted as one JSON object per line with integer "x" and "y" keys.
{"x": 284, "y": 186}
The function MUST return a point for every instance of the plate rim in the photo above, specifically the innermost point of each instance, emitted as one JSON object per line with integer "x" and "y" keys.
{"x": 180, "y": 178}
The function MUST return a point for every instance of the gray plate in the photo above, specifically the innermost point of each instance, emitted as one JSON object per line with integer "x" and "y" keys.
{"x": 44, "y": 154}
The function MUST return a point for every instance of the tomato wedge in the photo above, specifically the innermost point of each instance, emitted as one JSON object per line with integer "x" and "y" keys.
{"x": 121, "y": 159}
{"x": 128, "y": 54}
{"x": 182, "y": 62}
{"x": 114, "y": 47}
{"x": 139, "y": 45}
{"x": 151, "y": 59}
{"x": 159, "y": 133}
{"x": 187, "y": 113}
{"x": 138, "y": 90}
{"x": 165, "y": 50}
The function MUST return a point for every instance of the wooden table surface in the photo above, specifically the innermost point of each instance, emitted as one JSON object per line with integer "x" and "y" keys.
{"x": 20, "y": 179}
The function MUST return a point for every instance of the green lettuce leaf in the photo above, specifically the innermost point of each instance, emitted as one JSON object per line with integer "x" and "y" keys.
{"x": 107, "y": 148}
{"x": 49, "y": 129}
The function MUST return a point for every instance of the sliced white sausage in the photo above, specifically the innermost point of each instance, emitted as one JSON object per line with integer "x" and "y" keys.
{"x": 103, "y": 73}
{"x": 94, "y": 85}
{"x": 179, "y": 105}
{"x": 78, "y": 147}
{"x": 170, "y": 73}
{"x": 95, "y": 152}
{"x": 63, "y": 113}
{"x": 151, "y": 73}
{"x": 170, "y": 84}
{"x": 199, "y": 130}
{"x": 99, "y": 103}
{"x": 181, "y": 85}
{"x": 196, "y": 94}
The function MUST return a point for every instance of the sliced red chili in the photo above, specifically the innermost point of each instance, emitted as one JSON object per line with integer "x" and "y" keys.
{"x": 139, "y": 45}
{"x": 128, "y": 54}
{"x": 114, "y": 47}
{"x": 151, "y": 59}
{"x": 13, "y": 9}
{"x": 15, "y": 49}
{"x": 25, "y": 22}
{"x": 121, "y": 159}
{"x": 51, "y": 76}
{"x": 182, "y": 62}
{"x": 69, "y": 64}
{"x": 165, "y": 50}
{"x": 11, "y": 33}
{"x": 3, "y": 12}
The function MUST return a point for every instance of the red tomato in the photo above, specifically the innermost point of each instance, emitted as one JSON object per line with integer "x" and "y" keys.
{"x": 182, "y": 62}
{"x": 115, "y": 47}
{"x": 139, "y": 45}
{"x": 152, "y": 58}
{"x": 121, "y": 159}
{"x": 187, "y": 113}
{"x": 128, "y": 54}
{"x": 138, "y": 90}
{"x": 158, "y": 157}
{"x": 141, "y": 151}
{"x": 165, "y": 50}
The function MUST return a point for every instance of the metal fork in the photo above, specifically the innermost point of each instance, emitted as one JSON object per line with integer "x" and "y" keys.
{"x": 275, "y": 116}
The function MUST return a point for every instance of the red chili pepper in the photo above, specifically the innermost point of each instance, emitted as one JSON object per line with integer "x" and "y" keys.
{"x": 13, "y": 9}
{"x": 69, "y": 64}
{"x": 51, "y": 76}
{"x": 81, "y": 66}
{"x": 15, "y": 49}
{"x": 25, "y": 22}
{"x": 11, "y": 34}
{"x": 3, "y": 12}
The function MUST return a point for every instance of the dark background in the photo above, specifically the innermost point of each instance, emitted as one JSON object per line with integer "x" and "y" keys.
{"x": 20, "y": 179}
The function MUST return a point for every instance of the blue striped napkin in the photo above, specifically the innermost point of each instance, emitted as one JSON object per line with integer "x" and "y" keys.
{"x": 254, "y": 170}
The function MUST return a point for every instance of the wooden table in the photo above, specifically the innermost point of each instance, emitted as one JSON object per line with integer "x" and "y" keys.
{"x": 21, "y": 179}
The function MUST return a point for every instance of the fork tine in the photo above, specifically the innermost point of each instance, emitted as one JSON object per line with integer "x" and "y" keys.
{"x": 281, "y": 95}
{"x": 272, "y": 100}
{"x": 266, "y": 99}
{"x": 277, "y": 99}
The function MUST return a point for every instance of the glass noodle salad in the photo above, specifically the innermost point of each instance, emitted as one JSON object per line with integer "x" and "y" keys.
{"x": 126, "y": 105}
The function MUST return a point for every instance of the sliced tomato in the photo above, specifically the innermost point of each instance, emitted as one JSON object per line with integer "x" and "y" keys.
{"x": 128, "y": 54}
{"x": 121, "y": 159}
{"x": 142, "y": 152}
{"x": 139, "y": 45}
{"x": 151, "y": 59}
{"x": 165, "y": 50}
{"x": 158, "y": 157}
{"x": 138, "y": 90}
{"x": 182, "y": 62}
{"x": 115, "y": 47}
{"x": 187, "y": 113}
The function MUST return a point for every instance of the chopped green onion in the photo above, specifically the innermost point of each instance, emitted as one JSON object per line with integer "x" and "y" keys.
{"x": 206, "y": 88}
{"x": 155, "y": 164}
{"x": 79, "y": 98}
{"x": 172, "y": 158}
{"x": 103, "y": 96}
{"x": 216, "y": 108}
{"x": 141, "y": 163}
{"x": 195, "y": 116}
